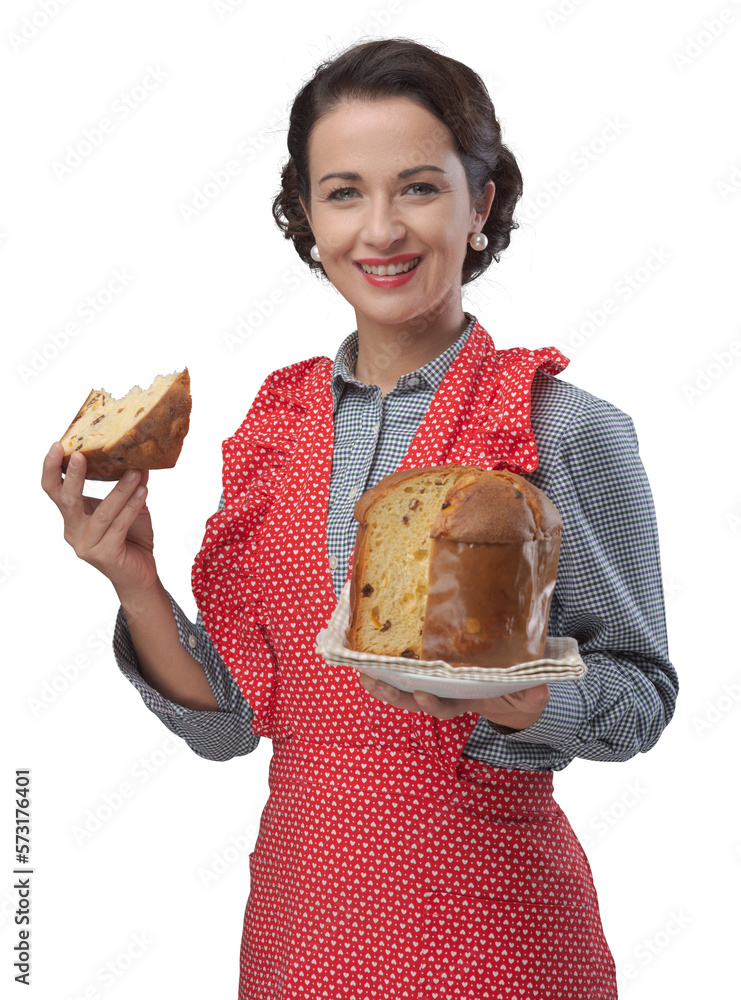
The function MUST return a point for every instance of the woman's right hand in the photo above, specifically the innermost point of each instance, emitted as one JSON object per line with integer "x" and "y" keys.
{"x": 113, "y": 534}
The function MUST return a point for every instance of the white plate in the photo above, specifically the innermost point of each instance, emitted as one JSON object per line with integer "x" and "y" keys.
{"x": 562, "y": 662}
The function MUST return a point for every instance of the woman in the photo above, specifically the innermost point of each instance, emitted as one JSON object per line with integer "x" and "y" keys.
{"x": 410, "y": 846}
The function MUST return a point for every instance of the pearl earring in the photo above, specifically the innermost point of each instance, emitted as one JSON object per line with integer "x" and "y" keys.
{"x": 479, "y": 241}
{"x": 315, "y": 253}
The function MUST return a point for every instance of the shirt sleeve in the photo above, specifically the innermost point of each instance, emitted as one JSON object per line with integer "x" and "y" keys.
{"x": 218, "y": 734}
{"x": 215, "y": 734}
{"x": 609, "y": 596}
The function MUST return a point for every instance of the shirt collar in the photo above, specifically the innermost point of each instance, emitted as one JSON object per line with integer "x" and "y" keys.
{"x": 429, "y": 376}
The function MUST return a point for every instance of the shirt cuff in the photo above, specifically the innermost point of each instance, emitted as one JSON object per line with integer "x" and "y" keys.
{"x": 215, "y": 734}
{"x": 561, "y": 722}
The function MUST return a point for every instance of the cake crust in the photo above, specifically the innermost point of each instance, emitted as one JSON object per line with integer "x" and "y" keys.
{"x": 495, "y": 507}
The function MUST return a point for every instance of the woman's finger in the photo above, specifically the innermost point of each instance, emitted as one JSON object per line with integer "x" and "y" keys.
{"x": 530, "y": 698}
{"x": 440, "y": 708}
{"x": 118, "y": 511}
{"x": 388, "y": 694}
{"x": 51, "y": 473}
{"x": 132, "y": 508}
{"x": 69, "y": 498}
{"x": 415, "y": 701}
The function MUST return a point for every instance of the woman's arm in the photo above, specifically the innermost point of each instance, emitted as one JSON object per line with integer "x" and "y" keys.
{"x": 151, "y": 641}
{"x": 217, "y": 730}
{"x": 163, "y": 662}
{"x": 115, "y": 536}
{"x": 609, "y": 596}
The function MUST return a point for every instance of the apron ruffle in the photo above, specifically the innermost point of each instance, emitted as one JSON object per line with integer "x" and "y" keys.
{"x": 227, "y": 572}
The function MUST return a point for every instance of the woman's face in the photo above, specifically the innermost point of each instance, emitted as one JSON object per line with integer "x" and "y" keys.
{"x": 401, "y": 196}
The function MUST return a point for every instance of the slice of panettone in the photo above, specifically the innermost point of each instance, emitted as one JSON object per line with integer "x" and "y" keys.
{"x": 142, "y": 430}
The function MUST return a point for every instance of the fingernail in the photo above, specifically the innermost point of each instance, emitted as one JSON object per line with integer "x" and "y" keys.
{"x": 130, "y": 476}
{"x": 54, "y": 444}
{"x": 75, "y": 459}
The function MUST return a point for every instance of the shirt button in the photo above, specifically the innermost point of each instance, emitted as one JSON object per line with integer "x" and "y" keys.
{"x": 333, "y": 562}
{"x": 192, "y": 641}
{"x": 353, "y": 492}
{"x": 376, "y": 429}
{"x": 413, "y": 382}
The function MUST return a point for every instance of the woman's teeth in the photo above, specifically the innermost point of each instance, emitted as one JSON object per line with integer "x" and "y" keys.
{"x": 382, "y": 270}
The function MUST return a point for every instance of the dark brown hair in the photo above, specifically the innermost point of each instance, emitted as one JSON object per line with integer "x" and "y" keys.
{"x": 448, "y": 89}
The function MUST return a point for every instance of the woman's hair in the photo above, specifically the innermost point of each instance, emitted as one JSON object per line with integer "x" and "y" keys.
{"x": 451, "y": 91}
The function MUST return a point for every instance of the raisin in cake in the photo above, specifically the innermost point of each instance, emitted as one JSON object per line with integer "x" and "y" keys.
{"x": 142, "y": 430}
{"x": 455, "y": 563}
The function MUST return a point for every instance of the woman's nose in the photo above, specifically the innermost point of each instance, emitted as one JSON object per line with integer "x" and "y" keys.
{"x": 382, "y": 224}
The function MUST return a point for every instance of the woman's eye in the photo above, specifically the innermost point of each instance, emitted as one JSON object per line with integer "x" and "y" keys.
{"x": 346, "y": 193}
{"x": 338, "y": 192}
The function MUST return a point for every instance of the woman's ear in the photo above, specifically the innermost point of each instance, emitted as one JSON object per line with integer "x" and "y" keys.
{"x": 482, "y": 207}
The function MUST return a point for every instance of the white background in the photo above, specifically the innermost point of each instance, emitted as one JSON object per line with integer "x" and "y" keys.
{"x": 659, "y": 180}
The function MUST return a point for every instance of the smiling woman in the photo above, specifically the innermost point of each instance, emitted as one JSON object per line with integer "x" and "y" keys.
{"x": 411, "y": 846}
{"x": 387, "y": 219}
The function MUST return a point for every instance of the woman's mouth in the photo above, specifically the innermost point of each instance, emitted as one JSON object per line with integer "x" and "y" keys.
{"x": 390, "y": 275}
{"x": 401, "y": 268}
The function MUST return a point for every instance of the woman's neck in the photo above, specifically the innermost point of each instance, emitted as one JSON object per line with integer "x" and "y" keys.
{"x": 385, "y": 353}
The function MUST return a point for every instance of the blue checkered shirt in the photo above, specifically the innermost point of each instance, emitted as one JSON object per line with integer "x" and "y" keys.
{"x": 608, "y": 594}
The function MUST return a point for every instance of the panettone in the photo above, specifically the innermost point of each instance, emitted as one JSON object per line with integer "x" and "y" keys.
{"x": 455, "y": 563}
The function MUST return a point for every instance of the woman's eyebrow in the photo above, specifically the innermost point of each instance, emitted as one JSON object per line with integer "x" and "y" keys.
{"x": 349, "y": 176}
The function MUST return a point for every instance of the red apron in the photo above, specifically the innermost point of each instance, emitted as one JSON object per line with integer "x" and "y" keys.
{"x": 388, "y": 866}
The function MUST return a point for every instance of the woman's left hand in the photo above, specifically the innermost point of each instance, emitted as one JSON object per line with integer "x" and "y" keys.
{"x": 517, "y": 710}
